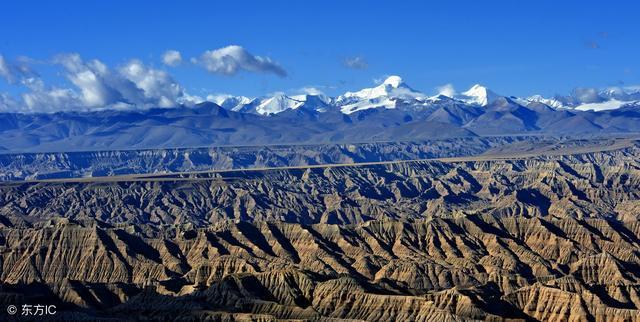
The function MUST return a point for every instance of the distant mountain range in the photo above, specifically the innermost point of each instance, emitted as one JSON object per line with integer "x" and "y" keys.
{"x": 392, "y": 111}
{"x": 394, "y": 93}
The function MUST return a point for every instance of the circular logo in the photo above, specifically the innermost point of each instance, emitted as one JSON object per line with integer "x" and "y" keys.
{"x": 12, "y": 309}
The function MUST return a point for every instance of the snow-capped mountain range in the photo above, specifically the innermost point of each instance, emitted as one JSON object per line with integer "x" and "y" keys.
{"x": 390, "y": 111}
{"x": 393, "y": 92}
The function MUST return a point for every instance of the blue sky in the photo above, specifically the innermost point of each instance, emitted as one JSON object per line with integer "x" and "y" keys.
{"x": 513, "y": 47}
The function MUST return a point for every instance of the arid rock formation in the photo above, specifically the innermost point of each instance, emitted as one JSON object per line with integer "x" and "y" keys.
{"x": 550, "y": 238}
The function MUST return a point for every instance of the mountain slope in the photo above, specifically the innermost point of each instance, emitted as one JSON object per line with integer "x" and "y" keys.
{"x": 210, "y": 125}
{"x": 391, "y": 111}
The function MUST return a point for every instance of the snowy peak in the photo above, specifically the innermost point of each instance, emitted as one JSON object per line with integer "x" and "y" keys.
{"x": 391, "y": 87}
{"x": 314, "y": 99}
{"x": 476, "y": 90}
{"x": 592, "y": 99}
{"x": 276, "y": 104}
{"x": 551, "y": 102}
{"x": 620, "y": 93}
{"x": 229, "y": 102}
{"x": 386, "y": 95}
{"x": 478, "y": 95}
{"x": 394, "y": 93}
{"x": 269, "y": 105}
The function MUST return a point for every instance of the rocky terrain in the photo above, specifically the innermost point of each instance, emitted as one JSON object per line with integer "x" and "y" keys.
{"x": 29, "y": 166}
{"x": 553, "y": 237}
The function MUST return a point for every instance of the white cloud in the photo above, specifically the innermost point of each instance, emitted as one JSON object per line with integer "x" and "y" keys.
{"x": 446, "y": 90}
{"x": 380, "y": 80}
{"x": 39, "y": 98}
{"x": 7, "y": 103}
{"x": 13, "y": 71}
{"x": 172, "y": 58}
{"x": 133, "y": 85}
{"x": 98, "y": 85}
{"x": 310, "y": 90}
{"x": 357, "y": 62}
{"x": 158, "y": 86}
{"x": 232, "y": 59}
{"x": 190, "y": 100}
{"x": 586, "y": 95}
{"x": 219, "y": 98}
{"x": 51, "y": 100}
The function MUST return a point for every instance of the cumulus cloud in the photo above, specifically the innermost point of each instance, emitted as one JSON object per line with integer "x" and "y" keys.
{"x": 357, "y": 62}
{"x": 132, "y": 84}
{"x": 586, "y": 95}
{"x": 96, "y": 86}
{"x": 7, "y": 103}
{"x": 446, "y": 90}
{"x": 13, "y": 71}
{"x": 172, "y": 58}
{"x": 158, "y": 87}
{"x": 50, "y": 100}
{"x": 231, "y": 60}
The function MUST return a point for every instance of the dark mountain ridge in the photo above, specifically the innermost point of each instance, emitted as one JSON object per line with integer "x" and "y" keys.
{"x": 208, "y": 124}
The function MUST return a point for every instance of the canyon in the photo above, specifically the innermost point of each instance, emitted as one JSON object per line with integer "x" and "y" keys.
{"x": 523, "y": 235}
